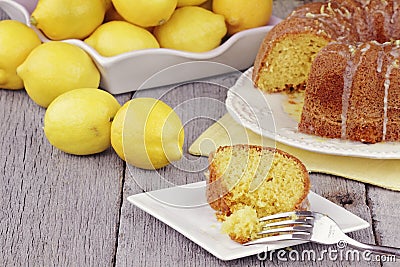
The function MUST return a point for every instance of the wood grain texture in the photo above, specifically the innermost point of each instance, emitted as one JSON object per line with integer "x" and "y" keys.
{"x": 64, "y": 210}
{"x": 57, "y": 209}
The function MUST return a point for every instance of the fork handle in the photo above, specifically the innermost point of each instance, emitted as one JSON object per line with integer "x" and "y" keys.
{"x": 382, "y": 250}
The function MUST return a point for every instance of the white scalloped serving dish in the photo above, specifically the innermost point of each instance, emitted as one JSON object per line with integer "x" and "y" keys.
{"x": 130, "y": 71}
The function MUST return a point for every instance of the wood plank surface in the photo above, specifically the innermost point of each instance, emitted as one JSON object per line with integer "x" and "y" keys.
{"x": 64, "y": 210}
{"x": 57, "y": 209}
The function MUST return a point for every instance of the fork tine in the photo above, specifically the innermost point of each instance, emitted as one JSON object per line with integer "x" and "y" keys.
{"x": 303, "y": 222}
{"x": 292, "y": 229}
{"x": 269, "y": 239}
{"x": 294, "y": 225}
{"x": 287, "y": 215}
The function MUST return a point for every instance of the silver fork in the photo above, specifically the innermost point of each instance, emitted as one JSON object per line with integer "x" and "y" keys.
{"x": 312, "y": 226}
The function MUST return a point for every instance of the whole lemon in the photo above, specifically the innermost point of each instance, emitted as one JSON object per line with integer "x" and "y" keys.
{"x": 243, "y": 14}
{"x": 79, "y": 121}
{"x": 65, "y": 19}
{"x": 16, "y": 42}
{"x": 54, "y": 68}
{"x": 117, "y": 37}
{"x": 182, "y": 3}
{"x": 193, "y": 29}
{"x": 147, "y": 133}
{"x": 145, "y": 13}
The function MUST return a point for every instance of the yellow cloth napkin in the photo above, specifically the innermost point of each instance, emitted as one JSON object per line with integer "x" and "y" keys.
{"x": 380, "y": 172}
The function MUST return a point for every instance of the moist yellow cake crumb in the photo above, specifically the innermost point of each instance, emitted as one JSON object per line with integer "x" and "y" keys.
{"x": 246, "y": 182}
{"x": 242, "y": 225}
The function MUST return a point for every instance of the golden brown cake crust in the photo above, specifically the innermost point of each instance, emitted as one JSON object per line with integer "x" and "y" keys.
{"x": 297, "y": 23}
{"x": 346, "y": 21}
{"x": 352, "y": 82}
{"x": 353, "y": 92}
{"x": 221, "y": 203}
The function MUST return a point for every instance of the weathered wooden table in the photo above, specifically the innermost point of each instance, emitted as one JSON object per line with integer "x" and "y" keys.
{"x": 64, "y": 210}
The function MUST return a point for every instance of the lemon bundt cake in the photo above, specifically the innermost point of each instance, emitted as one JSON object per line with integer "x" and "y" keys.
{"x": 353, "y": 93}
{"x": 246, "y": 182}
{"x": 345, "y": 53}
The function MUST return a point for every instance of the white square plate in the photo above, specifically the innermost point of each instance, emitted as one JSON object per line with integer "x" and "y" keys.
{"x": 197, "y": 220}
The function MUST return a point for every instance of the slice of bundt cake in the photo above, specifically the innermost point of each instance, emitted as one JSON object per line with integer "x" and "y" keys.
{"x": 246, "y": 182}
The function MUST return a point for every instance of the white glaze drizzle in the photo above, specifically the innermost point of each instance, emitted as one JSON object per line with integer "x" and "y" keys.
{"x": 348, "y": 82}
{"x": 386, "y": 85}
{"x": 395, "y": 52}
{"x": 365, "y": 3}
{"x": 327, "y": 12}
{"x": 396, "y": 8}
{"x": 381, "y": 54}
{"x": 351, "y": 68}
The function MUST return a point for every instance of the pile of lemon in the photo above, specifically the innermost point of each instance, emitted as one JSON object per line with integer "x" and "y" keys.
{"x": 117, "y": 26}
{"x": 81, "y": 119}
